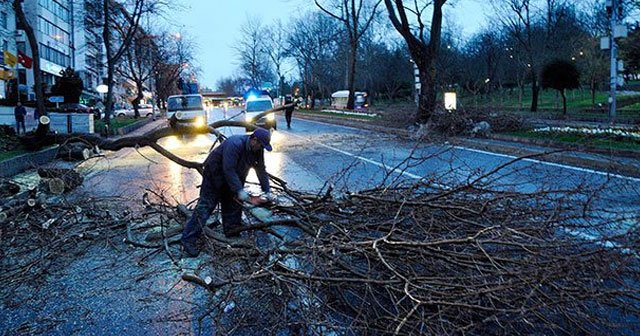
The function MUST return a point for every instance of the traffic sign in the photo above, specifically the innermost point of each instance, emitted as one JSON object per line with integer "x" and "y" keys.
{"x": 56, "y": 99}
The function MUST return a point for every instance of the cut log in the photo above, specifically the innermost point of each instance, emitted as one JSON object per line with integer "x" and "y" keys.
{"x": 61, "y": 180}
{"x": 8, "y": 188}
{"x": 56, "y": 186}
{"x": 75, "y": 151}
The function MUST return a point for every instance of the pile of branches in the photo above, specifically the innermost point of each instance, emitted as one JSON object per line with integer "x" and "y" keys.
{"x": 41, "y": 232}
{"x": 462, "y": 121}
{"x": 415, "y": 259}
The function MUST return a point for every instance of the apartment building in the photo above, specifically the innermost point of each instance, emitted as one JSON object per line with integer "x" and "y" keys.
{"x": 66, "y": 38}
{"x": 52, "y": 21}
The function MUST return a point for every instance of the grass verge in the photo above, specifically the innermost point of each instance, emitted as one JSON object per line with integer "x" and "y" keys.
{"x": 11, "y": 154}
{"x": 116, "y": 123}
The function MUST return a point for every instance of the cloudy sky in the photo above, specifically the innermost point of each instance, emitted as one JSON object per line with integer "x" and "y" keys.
{"x": 215, "y": 24}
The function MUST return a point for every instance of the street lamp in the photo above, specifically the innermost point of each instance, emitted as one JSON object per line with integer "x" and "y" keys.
{"x": 102, "y": 88}
{"x": 450, "y": 101}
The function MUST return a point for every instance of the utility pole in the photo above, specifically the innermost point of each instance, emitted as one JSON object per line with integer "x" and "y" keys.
{"x": 612, "y": 6}
{"x": 614, "y": 10}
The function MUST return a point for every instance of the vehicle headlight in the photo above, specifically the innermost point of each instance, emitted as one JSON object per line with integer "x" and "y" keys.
{"x": 248, "y": 118}
{"x": 271, "y": 116}
{"x": 199, "y": 122}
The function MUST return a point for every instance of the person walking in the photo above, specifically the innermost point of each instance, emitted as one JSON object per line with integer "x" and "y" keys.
{"x": 225, "y": 172}
{"x": 288, "y": 112}
{"x": 20, "y": 112}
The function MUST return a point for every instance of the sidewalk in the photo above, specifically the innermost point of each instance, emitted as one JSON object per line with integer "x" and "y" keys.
{"x": 25, "y": 162}
{"x": 612, "y": 162}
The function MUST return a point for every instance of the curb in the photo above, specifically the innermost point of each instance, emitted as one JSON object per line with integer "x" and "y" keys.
{"x": 608, "y": 165}
{"x": 132, "y": 127}
{"x": 574, "y": 147}
{"x": 23, "y": 162}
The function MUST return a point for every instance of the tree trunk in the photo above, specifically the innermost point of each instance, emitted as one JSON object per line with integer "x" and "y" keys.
{"x": 535, "y": 90}
{"x": 43, "y": 128}
{"x": 564, "y": 104}
{"x": 136, "y": 101}
{"x": 352, "y": 75}
{"x": 427, "y": 98}
{"x": 106, "y": 36}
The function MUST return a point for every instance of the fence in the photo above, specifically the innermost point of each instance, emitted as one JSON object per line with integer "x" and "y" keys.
{"x": 60, "y": 122}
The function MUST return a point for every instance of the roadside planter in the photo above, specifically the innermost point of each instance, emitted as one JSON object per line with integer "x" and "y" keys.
{"x": 620, "y": 133}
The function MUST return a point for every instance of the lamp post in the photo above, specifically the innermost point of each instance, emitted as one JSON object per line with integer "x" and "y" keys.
{"x": 102, "y": 89}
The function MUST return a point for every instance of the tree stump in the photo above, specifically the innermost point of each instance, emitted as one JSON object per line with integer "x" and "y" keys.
{"x": 59, "y": 180}
{"x": 8, "y": 189}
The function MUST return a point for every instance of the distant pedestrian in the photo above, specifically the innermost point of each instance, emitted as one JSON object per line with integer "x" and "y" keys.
{"x": 288, "y": 112}
{"x": 19, "y": 112}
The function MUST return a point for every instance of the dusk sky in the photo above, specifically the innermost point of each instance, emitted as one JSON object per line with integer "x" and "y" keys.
{"x": 215, "y": 25}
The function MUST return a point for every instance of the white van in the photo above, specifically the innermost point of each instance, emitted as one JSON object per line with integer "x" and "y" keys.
{"x": 255, "y": 106}
{"x": 187, "y": 109}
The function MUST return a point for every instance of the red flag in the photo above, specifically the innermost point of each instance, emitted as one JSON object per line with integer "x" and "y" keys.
{"x": 25, "y": 60}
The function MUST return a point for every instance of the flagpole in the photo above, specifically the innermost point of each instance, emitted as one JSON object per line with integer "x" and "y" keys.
{"x": 18, "y": 81}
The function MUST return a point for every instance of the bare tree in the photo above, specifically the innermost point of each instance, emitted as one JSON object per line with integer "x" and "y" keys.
{"x": 251, "y": 51}
{"x": 141, "y": 61}
{"x": 231, "y": 86}
{"x": 314, "y": 41}
{"x": 424, "y": 52}
{"x": 276, "y": 48}
{"x": 175, "y": 52}
{"x": 356, "y": 16}
{"x": 117, "y": 16}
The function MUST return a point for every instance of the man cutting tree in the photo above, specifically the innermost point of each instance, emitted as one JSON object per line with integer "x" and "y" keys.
{"x": 225, "y": 172}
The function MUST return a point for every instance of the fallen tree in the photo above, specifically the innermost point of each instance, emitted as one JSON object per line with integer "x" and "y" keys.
{"x": 477, "y": 256}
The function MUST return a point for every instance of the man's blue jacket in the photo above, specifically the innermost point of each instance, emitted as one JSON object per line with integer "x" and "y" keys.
{"x": 229, "y": 164}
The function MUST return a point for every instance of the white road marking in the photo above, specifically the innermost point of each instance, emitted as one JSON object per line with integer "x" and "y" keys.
{"x": 583, "y": 170}
{"x": 375, "y": 163}
{"x": 558, "y": 165}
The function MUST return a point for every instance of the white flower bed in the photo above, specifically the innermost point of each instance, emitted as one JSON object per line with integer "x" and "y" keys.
{"x": 631, "y": 134}
{"x": 362, "y": 114}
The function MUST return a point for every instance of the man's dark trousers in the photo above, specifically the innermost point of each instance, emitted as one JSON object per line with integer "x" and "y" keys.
{"x": 209, "y": 199}
{"x": 287, "y": 114}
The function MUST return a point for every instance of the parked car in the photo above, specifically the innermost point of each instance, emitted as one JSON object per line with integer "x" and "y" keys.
{"x": 81, "y": 108}
{"x": 146, "y": 110}
{"x": 255, "y": 106}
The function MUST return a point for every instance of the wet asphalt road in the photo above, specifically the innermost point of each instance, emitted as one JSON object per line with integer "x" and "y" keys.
{"x": 109, "y": 292}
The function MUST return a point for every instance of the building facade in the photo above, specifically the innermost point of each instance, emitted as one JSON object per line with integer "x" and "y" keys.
{"x": 52, "y": 21}
{"x": 67, "y": 37}
{"x": 8, "y": 42}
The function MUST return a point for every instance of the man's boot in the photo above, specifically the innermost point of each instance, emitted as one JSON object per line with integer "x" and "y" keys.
{"x": 191, "y": 250}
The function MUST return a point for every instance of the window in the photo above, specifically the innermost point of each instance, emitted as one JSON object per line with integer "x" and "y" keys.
{"x": 59, "y": 8}
{"x": 5, "y": 45}
{"x": 53, "y": 31}
{"x": 4, "y": 20}
{"x": 55, "y": 56}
